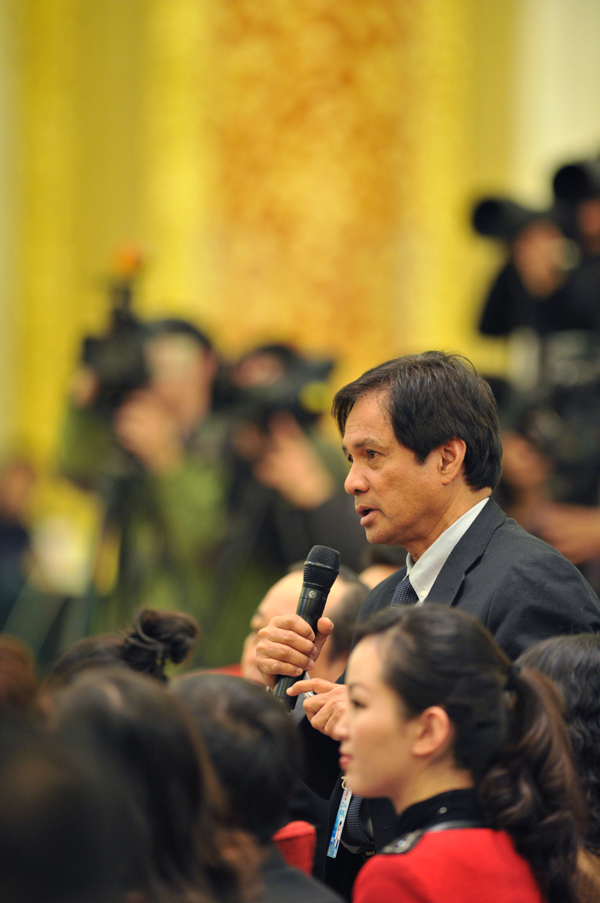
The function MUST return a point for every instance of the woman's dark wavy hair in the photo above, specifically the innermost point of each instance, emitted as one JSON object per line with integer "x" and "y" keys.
{"x": 253, "y": 744}
{"x": 509, "y": 732}
{"x": 431, "y": 398}
{"x": 573, "y": 664}
{"x": 155, "y": 638}
{"x": 171, "y": 801}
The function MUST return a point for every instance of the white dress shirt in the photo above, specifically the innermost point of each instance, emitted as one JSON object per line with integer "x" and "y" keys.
{"x": 423, "y": 573}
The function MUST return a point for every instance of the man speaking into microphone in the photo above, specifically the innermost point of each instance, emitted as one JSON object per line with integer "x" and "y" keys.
{"x": 421, "y": 436}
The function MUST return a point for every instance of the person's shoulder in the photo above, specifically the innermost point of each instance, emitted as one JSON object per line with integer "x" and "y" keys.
{"x": 513, "y": 541}
{"x": 469, "y": 863}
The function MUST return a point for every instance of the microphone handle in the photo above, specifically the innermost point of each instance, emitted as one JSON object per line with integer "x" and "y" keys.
{"x": 310, "y": 607}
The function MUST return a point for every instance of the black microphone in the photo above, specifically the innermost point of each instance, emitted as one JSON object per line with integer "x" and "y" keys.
{"x": 320, "y": 570}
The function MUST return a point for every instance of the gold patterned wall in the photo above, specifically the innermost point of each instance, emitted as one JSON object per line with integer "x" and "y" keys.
{"x": 299, "y": 171}
{"x": 312, "y": 137}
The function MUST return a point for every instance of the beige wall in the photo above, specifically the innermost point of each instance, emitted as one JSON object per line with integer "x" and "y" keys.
{"x": 556, "y": 70}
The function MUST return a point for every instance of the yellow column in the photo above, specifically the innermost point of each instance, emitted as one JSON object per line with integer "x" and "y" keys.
{"x": 48, "y": 224}
{"x": 178, "y": 157}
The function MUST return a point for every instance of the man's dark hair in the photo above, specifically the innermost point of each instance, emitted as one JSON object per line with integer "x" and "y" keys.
{"x": 431, "y": 398}
{"x": 344, "y": 617}
{"x": 253, "y": 745}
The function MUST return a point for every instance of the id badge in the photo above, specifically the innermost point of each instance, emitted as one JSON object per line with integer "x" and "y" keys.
{"x": 338, "y": 827}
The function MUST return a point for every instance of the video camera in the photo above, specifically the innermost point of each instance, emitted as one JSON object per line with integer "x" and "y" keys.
{"x": 118, "y": 357}
{"x": 275, "y": 378}
{"x": 497, "y": 217}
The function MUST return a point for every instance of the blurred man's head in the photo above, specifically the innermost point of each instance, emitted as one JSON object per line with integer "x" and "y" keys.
{"x": 182, "y": 364}
{"x": 282, "y": 599}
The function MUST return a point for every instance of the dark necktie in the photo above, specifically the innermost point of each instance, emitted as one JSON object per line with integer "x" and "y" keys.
{"x": 404, "y": 593}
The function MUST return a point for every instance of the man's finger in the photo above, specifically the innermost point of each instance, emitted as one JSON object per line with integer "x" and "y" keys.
{"x": 315, "y": 685}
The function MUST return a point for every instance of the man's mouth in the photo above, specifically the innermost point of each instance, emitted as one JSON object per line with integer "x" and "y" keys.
{"x": 366, "y": 514}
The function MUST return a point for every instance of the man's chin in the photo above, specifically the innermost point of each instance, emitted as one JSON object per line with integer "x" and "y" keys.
{"x": 378, "y": 537}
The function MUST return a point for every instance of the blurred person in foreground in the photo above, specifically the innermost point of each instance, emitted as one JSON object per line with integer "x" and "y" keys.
{"x": 573, "y": 664}
{"x": 343, "y": 605}
{"x": 256, "y": 753}
{"x": 421, "y": 435}
{"x": 60, "y": 826}
{"x": 175, "y": 847}
{"x": 475, "y": 757}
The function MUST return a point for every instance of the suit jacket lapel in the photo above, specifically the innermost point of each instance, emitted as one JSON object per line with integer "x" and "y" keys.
{"x": 465, "y": 554}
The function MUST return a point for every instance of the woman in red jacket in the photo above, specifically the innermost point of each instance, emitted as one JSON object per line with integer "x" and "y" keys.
{"x": 474, "y": 755}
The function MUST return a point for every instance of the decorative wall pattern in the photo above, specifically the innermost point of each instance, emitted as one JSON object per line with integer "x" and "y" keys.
{"x": 311, "y": 130}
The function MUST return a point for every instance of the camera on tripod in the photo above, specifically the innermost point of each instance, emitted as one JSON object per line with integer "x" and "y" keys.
{"x": 118, "y": 358}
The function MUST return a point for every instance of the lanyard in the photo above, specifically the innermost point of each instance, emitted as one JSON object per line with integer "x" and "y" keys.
{"x": 339, "y": 821}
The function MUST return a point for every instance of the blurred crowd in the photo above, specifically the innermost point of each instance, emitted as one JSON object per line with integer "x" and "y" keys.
{"x": 546, "y": 301}
{"x": 119, "y": 784}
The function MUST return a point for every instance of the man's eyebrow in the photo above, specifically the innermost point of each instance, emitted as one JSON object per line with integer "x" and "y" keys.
{"x": 360, "y": 443}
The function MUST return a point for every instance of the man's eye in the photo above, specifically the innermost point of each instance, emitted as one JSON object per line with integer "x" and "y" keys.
{"x": 371, "y": 454}
{"x": 356, "y": 704}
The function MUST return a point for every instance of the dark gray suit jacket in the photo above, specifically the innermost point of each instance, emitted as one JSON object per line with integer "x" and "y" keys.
{"x": 518, "y": 586}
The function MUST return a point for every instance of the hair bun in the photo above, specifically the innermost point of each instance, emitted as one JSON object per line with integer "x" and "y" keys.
{"x": 160, "y": 636}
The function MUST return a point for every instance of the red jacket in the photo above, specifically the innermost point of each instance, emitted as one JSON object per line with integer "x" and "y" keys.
{"x": 467, "y": 865}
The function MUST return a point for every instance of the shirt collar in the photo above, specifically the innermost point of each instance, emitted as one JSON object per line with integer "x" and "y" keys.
{"x": 448, "y": 806}
{"x": 423, "y": 573}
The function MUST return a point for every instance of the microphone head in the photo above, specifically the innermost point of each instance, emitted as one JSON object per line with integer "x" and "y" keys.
{"x": 322, "y": 566}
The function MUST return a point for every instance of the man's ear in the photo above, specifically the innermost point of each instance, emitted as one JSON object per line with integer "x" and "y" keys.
{"x": 433, "y": 733}
{"x": 451, "y": 457}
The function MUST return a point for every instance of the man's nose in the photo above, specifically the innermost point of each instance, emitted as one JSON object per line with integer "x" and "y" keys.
{"x": 355, "y": 481}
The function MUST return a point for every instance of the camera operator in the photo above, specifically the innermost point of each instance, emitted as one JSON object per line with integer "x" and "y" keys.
{"x": 153, "y": 453}
{"x": 281, "y": 458}
{"x": 527, "y": 292}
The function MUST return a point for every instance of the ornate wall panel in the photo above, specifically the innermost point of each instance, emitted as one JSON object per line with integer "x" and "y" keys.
{"x": 311, "y": 127}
